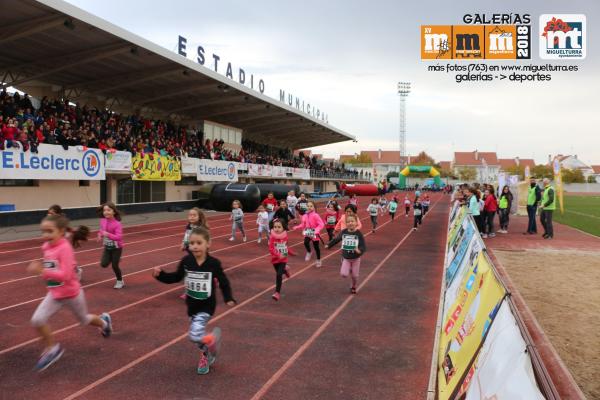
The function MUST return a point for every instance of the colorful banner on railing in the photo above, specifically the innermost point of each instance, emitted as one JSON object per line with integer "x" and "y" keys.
{"x": 53, "y": 162}
{"x": 466, "y": 323}
{"x": 118, "y": 161}
{"x": 503, "y": 367}
{"x": 151, "y": 167}
{"x": 216, "y": 171}
{"x": 189, "y": 165}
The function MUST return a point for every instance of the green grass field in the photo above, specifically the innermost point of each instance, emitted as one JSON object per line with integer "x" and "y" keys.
{"x": 581, "y": 212}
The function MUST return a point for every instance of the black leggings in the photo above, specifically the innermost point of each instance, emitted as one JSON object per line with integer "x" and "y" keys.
{"x": 112, "y": 256}
{"x": 279, "y": 270}
{"x": 418, "y": 220}
{"x": 315, "y": 243}
{"x": 374, "y": 221}
{"x": 330, "y": 233}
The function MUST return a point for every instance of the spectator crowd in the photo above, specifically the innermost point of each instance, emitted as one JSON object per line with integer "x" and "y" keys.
{"x": 60, "y": 122}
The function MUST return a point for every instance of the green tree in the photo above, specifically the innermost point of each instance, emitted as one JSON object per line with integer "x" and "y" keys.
{"x": 516, "y": 170}
{"x": 467, "y": 174}
{"x": 572, "y": 176}
{"x": 542, "y": 171}
{"x": 591, "y": 179}
{"x": 360, "y": 159}
{"x": 422, "y": 159}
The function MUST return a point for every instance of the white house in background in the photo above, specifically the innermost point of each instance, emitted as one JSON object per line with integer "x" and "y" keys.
{"x": 596, "y": 173}
{"x": 485, "y": 163}
{"x": 572, "y": 162}
{"x": 382, "y": 162}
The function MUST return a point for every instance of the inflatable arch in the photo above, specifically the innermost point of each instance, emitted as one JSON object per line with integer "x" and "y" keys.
{"x": 434, "y": 173}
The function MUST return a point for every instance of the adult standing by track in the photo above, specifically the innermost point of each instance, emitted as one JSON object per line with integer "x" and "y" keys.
{"x": 548, "y": 206}
{"x": 534, "y": 195}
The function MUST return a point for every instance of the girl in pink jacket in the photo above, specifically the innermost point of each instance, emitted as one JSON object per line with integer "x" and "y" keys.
{"x": 311, "y": 226}
{"x": 111, "y": 234}
{"x": 58, "y": 271}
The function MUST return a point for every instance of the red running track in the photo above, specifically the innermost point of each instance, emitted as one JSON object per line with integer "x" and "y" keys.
{"x": 317, "y": 342}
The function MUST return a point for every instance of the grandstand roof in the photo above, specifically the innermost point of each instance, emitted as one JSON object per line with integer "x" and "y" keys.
{"x": 51, "y": 42}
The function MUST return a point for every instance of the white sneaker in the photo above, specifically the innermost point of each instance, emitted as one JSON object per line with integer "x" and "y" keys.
{"x": 231, "y": 239}
{"x": 307, "y": 256}
{"x": 245, "y": 238}
{"x": 258, "y": 239}
{"x": 318, "y": 263}
{"x": 119, "y": 284}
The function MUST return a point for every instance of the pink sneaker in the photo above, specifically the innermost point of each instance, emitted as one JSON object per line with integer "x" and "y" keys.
{"x": 287, "y": 272}
{"x": 183, "y": 296}
{"x": 203, "y": 366}
{"x": 275, "y": 296}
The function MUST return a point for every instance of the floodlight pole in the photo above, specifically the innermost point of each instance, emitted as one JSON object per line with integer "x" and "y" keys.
{"x": 403, "y": 91}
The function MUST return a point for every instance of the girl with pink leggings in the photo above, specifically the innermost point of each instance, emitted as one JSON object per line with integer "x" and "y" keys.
{"x": 353, "y": 247}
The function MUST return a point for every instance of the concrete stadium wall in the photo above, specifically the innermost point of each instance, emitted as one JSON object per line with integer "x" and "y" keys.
{"x": 48, "y": 192}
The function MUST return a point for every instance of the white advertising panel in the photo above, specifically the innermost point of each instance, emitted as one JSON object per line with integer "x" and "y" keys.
{"x": 216, "y": 171}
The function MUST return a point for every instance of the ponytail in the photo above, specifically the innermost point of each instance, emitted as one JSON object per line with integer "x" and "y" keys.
{"x": 79, "y": 235}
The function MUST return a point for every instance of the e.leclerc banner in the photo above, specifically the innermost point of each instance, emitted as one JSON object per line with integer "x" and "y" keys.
{"x": 216, "y": 171}
{"x": 53, "y": 162}
{"x": 152, "y": 167}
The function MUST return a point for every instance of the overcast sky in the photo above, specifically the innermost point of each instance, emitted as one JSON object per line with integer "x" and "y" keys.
{"x": 346, "y": 57}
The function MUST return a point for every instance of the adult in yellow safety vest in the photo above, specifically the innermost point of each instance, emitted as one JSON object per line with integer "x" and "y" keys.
{"x": 534, "y": 196}
{"x": 548, "y": 206}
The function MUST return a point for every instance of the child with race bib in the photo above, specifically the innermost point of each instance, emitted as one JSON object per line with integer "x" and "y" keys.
{"x": 353, "y": 246}
{"x": 311, "y": 226}
{"x": 374, "y": 209}
{"x": 392, "y": 207}
{"x": 301, "y": 205}
{"x": 262, "y": 220}
{"x": 278, "y": 247}
{"x": 111, "y": 234}
{"x": 284, "y": 214}
{"x": 201, "y": 273}
{"x": 418, "y": 213}
{"x": 331, "y": 218}
{"x": 270, "y": 203}
{"x": 407, "y": 204}
{"x": 348, "y": 210}
{"x": 291, "y": 202}
{"x": 237, "y": 218}
{"x": 58, "y": 269}
{"x": 196, "y": 218}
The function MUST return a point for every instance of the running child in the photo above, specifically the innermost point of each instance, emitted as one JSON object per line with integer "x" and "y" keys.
{"x": 374, "y": 209}
{"x": 55, "y": 209}
{"x": 407, "y": 204}
{"x": 311, "y": 226}
{"x": 383, "y": 202}
{"x": 201, "y": 273}
{"x": 341, "y": 224}
{"x": 353, "y": 246}
{"x": 279, "y": 250}
{"x": 237, "y": 216}
{"x": 270, "y": 203}
{"x": 111, "y": 234}
{"x": 262, "y": 220}
{"x": 58, "y": 270}
{"x": 353, "y": 200}
{"x": 418, "y": 213}
{"x": 392, "y": 207}
{"x": 196, "y": 218}
{"x": 302, "y": 204}
{"x": 331, "y": 217}
{"x": 425, "y": 203}
{"x": 284, "y": 214}
{"x": 291, "y": 202}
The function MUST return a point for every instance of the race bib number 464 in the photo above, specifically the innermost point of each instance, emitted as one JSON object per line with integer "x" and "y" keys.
{"x": 198, "y": 285}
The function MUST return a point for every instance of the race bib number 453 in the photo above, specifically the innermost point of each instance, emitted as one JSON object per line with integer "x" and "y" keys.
{"x": 198, "y": 285}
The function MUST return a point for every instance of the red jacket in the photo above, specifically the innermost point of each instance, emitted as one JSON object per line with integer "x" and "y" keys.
{"x": 331, "y": 214}
{"x": 276, "y": 243}
{"x": 490, "y": 204}
{"x": 273, "y": 202}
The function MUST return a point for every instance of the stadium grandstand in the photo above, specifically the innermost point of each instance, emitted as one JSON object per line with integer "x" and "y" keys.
{"x": 73, "y": 80}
